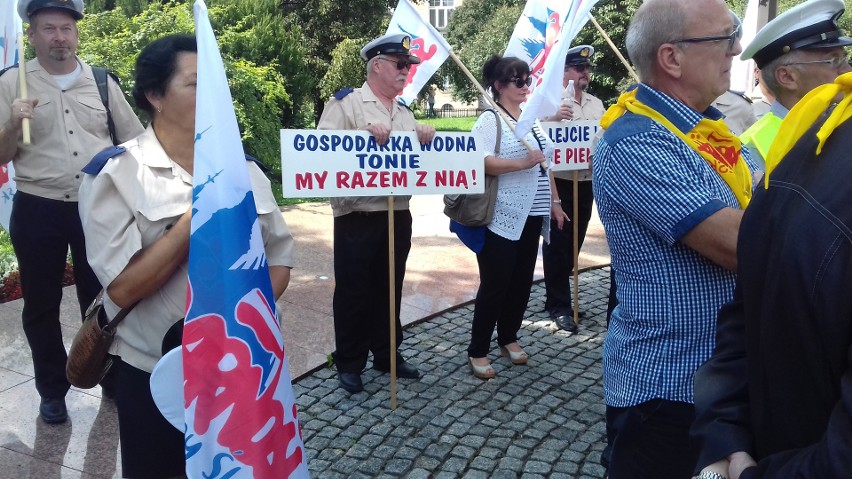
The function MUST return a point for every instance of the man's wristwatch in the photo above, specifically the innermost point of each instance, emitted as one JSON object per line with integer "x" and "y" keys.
{"x": 710, "y": 475}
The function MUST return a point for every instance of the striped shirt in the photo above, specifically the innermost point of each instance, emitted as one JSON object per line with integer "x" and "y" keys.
{"x": 651, "y": 189}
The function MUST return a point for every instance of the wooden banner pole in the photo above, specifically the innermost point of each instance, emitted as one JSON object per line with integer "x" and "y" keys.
{"x": 22, "y": 81}
{"x": 392, "y": 303}
{"x": 615, "y": 50}
{"x": 576, "y": 249}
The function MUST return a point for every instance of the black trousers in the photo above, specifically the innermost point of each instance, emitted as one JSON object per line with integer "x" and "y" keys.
{"x": 506, "y": 270}
{"x": 41, "y": 231}
{"x": 558, "y": 256}
{"x": 651, "y": 440}
{"x": 151, "y": 448}
{"x": 361, "y": 292}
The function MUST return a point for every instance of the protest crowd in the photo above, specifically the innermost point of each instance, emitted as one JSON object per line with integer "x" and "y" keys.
{"x": 728, "y": 348}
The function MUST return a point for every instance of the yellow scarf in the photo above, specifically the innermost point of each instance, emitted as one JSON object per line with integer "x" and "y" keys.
{"x": 805, "y": 113}
{"x": 711, "y": 139}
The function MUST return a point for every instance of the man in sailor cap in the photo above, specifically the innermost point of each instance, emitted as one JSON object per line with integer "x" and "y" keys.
{"x": 558, "y": 255}
{"x": 797, "y": 51}
{"x": 361, "y": 317}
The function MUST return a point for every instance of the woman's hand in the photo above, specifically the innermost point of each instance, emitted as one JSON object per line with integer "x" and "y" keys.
{"x": 533, "y": 158}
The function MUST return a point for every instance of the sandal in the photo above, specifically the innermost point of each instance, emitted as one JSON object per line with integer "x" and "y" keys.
{"x": 517, "y": 357}
{"x": 482, "y": 372}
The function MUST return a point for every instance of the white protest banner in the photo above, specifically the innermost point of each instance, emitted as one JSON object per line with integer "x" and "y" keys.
{"x": 574, "y": 143}
{"x": 329, "y": 163}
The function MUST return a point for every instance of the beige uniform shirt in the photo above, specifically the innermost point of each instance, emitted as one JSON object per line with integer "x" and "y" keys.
{"x": 355, "y": 111}
{"x": 589, "y": 108}
{"x": 739, "y": 112}
{"x": 127, "y": 207}
{"x": 68, "y": 128}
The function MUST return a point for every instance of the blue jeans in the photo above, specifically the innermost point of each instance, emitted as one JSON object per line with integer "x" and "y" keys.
{"x": 651, "y": 440}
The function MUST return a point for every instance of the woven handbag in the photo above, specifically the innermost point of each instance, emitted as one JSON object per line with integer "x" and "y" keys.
{"x": 88, "y": 359}
{"x": 475, "y": 210}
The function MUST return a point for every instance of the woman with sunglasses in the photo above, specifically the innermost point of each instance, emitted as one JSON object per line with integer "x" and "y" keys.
{"x": 508, "y": 250}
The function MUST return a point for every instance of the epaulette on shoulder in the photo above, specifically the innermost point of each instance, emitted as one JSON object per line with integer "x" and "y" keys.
{"x": 741, "y": 95}
{"x": 341, "y": 94}
{"x": 260, "y": 165}
{"x": 99, "y": 161}
{"x": 402, "y": 103}
{"x": 7, "y": 69}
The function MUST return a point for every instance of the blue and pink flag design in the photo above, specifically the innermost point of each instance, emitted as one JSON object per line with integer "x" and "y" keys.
{"x": 542, "y": 37}
{"x": 427, "y": 44}
{"x": 240, "y": 411}
{"x": 10, "y": 27}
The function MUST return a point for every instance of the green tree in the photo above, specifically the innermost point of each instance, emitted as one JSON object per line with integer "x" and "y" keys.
{"x": 346, "y": 68}
{"x": 611, "y": 76}
{"x": 478, "y": 29}
{"x": 113, "y": 40}
{"x": 327, "y": 23}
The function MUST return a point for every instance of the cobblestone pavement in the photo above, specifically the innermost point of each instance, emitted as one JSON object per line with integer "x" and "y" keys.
{"x": 542, "y": 420}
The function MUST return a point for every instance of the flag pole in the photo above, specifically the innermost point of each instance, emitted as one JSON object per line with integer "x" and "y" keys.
{"x": 392, "y": 303}
{"x": 22, "y": 80}
{"x": 576, "y": 213}
{"x": 615, "y": 49}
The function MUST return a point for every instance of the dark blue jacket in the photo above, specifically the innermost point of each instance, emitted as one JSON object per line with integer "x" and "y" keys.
{"x": 779, "y": 384}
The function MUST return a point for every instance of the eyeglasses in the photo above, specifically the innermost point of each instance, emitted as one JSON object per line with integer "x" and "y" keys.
{"x": 520, "y": 82}
{"x": 582, "y": 67}
{"x": 836, "y": 62}
{"x": 400, "y": 64}
{"x": 732, "y": 38}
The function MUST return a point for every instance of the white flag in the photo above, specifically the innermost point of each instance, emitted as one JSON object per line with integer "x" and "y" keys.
{"x": 10, "y": 27}
{"x": 542, "y": 37}
{"x": 240, "y": 418}
{"x": 427, "y": 44}
{"x": 742, "y": 71}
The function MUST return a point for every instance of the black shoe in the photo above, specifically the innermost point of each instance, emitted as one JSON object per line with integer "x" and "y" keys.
{"x": 351, "y": 382}
{"x": 403, "y": 370}
{"x": 566, "y": 323}
{"x": 53, "y": 411}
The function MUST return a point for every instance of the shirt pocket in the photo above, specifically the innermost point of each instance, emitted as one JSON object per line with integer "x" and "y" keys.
{"x": 44, "y": 122}
{"x": 92, "y": 115}
{"x": 161, "y": 203}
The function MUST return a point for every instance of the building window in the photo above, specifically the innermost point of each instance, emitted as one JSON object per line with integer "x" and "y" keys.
{"x": 440, "y": 12}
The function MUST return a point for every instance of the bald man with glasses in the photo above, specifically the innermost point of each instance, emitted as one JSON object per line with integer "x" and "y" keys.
{"x": 671, "y": 182}
{"x": 796, "y": 52}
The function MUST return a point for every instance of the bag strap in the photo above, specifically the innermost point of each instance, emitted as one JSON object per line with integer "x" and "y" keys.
{"x": 114, "y": 322}
{"x": 100, "y": 75}
{"x": 499, "y": 132}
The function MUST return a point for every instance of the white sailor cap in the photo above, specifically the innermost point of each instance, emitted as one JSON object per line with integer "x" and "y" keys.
{"x": 809, "y": 25}
{"x": 579, "y": 55}
{"x": 391, "y": 44}
{"x": 28, "y": 7}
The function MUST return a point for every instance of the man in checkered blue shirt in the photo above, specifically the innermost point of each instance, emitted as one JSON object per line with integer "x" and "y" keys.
{"x": 671, "y": 217}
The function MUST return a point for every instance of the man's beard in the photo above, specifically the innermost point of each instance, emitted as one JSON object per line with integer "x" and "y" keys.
{"x": 60, "y": 54}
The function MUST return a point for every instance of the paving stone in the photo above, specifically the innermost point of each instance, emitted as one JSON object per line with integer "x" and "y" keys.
{"x": 545, "y": 419}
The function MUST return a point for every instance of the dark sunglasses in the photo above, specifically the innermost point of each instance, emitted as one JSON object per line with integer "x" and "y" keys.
{"x": 400, "y": 64}
{"x": 520, "y": 82}
{"x": 582, "y": 67}
{"x": 731, "y": 39}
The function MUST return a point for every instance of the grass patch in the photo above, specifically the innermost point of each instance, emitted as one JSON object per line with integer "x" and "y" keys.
{"x": 450, "y": 124}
